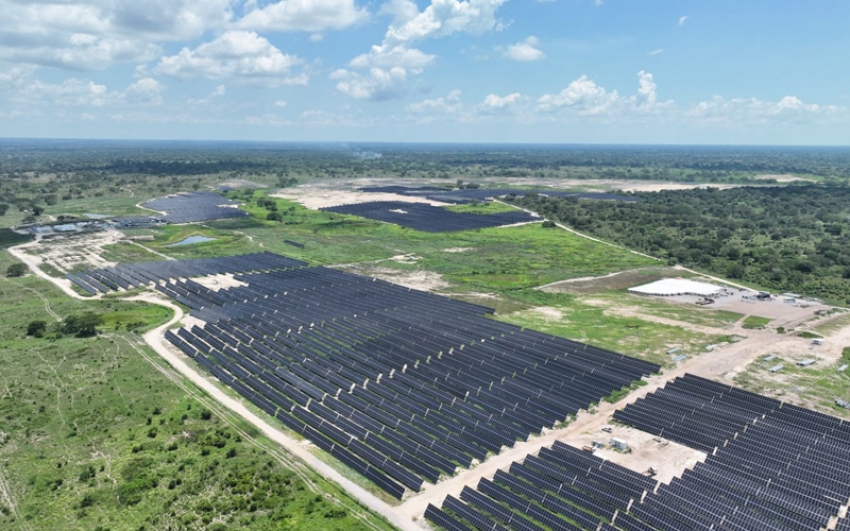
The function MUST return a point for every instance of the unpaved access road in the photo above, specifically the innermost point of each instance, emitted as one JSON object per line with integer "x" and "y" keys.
{"x": 155, "y": 339}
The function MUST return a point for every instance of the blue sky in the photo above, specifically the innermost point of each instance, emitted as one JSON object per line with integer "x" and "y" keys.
{"x": 572, "y": 71}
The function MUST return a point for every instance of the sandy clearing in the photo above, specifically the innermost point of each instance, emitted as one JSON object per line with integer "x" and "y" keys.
{"x": 155, "y": 339}
{"x": 62, "y": 283}
{"x": 458, "y": 249}
{"x": 784, "y": 178}
{"x": 315, "y": 197}
{"x": 218, "y": 282}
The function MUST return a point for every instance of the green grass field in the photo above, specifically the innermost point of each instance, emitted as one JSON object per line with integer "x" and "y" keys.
{"x": 499, "y": 258}
{"x": 755, "y": 322}
{"x": 816, "y": 386}
{"x": 566, "y": 316}
{"x": 98, "y": 434}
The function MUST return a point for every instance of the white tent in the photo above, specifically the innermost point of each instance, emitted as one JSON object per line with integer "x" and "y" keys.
{"x": 677, "y": 286}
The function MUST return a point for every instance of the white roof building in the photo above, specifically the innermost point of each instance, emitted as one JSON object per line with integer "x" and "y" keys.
{"x": 668, "y": 287}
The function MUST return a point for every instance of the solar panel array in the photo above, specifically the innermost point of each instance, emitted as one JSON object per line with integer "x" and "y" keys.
{"x": 776, "y": 465}
{"x": 428, "y": 218}
{"x": 785, "y": 468}
{"x": 401, "y": 385}
{"x": 562, "y": 488}
{"x": 483, "y": 194}
{"x": 134, "y": 275}
{"x": 190, "y": 207}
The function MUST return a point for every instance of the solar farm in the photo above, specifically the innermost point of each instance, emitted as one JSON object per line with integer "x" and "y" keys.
{"x": 192, "y": 207}
{"x": 442, "y": 413}
{"x": 770, "y": 465}
{"x": 400, "y": 385}
{"x": 429, "y": 218}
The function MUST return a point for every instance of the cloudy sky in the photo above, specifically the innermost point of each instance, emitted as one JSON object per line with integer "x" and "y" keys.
{"x": 586, "y": 71}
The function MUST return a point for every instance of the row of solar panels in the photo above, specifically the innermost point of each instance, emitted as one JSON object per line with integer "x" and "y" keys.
{"x": 405, "y": 384}
{"x": 428, "y": 218}
{"x": 192, "y": 207}
{"x": 562, "y": 488}
{"x": 788, "y": 471}
{"x": 133, "y": 275}
{"x": 784, "y": 467}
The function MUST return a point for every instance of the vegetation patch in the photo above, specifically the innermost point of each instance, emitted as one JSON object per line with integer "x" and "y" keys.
{"x": 753, "y": 322}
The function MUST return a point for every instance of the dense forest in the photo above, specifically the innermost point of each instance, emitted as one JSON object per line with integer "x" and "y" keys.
{"x": 672, "y": 163}
{"x": 794, "y": 238}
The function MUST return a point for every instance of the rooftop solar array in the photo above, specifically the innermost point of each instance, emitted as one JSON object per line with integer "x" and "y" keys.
{"x": 401, "y": 385}
{"x": 484, "y": 194}
{"x": 428, "y": 218}
{"x": 134, "y": 275}
{"x": 190, "y": 207}
{"x": 784, "y": 468}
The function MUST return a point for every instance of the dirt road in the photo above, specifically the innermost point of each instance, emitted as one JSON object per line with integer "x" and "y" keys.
{"x": 156, "y": 341}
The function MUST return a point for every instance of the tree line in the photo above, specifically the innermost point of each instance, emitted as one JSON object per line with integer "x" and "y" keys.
{"x": 794, "y": 238}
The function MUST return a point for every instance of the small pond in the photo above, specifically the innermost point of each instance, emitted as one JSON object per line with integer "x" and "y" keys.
{"x": 192, "y": 239}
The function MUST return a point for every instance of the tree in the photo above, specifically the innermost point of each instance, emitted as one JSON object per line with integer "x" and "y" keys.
{"x": 16, "y": 270}
{"x": 36, "y": 328}
{"x": 84, "y": 325}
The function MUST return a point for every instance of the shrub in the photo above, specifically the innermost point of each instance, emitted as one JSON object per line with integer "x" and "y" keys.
{"x": 16, "y": 270}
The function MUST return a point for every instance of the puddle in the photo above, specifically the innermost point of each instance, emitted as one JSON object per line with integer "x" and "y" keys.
{"x": 192, "y": 239}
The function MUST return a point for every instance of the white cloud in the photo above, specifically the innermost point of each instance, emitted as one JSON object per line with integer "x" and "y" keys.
{"x": 280, "y": 104}
{"x": 94, "y": 34}
{"x": 384, "y": 56}
{"x": 390, "y": 63}
{"x": 647, "y": 88}
{"x": 146, "y": 90}
{"x": 238, "y": 55}
{"x": 656, "y": 52}
{"x": 80, "y": 51}
{"x": 598, "y": 2}
{"x": 526, "y": 50}
{"x": 441, "y": 18}
{"x": 304, "y": 15}
{"x": 683, "y": 19}
{"x": 219, "y": 91}
{"x": 317, "y": 37}
{"x": 789, "y": 109}
{"x": 494, "y": 102}
{"x": 429, "y": 109}
{"x": 75, "y": 92}
{"x": 582, "y": 95}
{"x": 378, "y": 84}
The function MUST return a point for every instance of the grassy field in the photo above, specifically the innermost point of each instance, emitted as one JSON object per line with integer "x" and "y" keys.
{"x": 755, "y": 322}
{"x": 685, "y": 313}
{"x": 482, "y": 208}
{"x": 498, "y": 258}
{"x": 815, "y": 387}
{"x": 832, "y": 325}
{"x": 566, "y": 316}
{"x": 126, "y": 252}
{"x": 98, "y": 435}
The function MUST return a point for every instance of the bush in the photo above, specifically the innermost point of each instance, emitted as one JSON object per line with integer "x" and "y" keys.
{"x": 84, "y": 325}
{"x": 16, "y": 270}
{"x": 36, "y": 328}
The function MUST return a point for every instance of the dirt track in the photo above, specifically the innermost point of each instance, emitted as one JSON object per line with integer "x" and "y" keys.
{"x": 155, "y": 340}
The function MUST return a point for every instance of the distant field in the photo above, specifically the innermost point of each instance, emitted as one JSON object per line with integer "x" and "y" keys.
{"x": 498, "y": 258}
